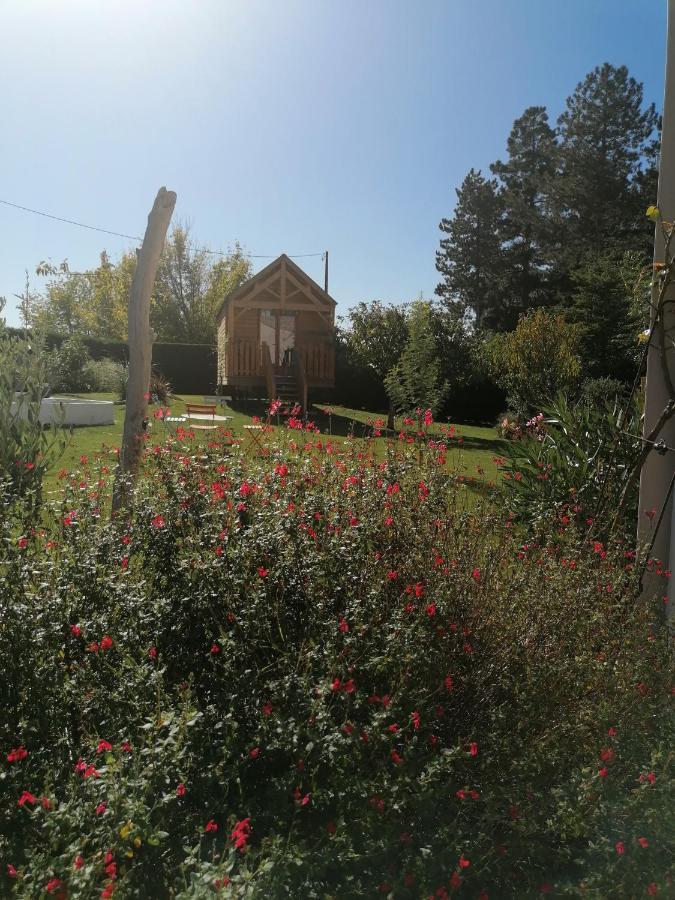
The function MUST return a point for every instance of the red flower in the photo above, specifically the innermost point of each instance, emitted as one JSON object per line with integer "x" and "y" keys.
{"x": 100, "y": 809}
{"x": 455, "y": 881}
{"x": 11, "y": 871}
{"x": 215, "y": 648}
{"x": 53, "y": 885}
{"x": 267, "y": 709}
{"x": 620, "y": 848}
{"x": 263, "y": 572}
{"x": 158, "y": 522}
{"x": 607, "y": 754}
{"x": 343, "y": 626}
{"x": 180, "y": 790}
{"x": 392, "y": 575}
{"x": 107, "y": 891}
{"x": 395, "y": 758}
{"x": 415, "y": 716}
{"x": 44, "y": 802}
{"x": 76, "y": 630}
{"x": 210, "y": 826}
{"x": 652, "y": 888}
{"x": 102, "y": 746}
{"x": 23, "y": 543}
{"x": 349, "y": 687}
{"x": 106, "y": 642}
{"x": 92, "y": 648}
{"x": 643, "y": 842}
{"x": 476, "y": 574}
{"x": 78, "y": 862}
{"x": 126, "y": 746}
{"x": 17, "y": 755}
{"x": 241, "y": 833}
{"x": 336, "y": 684}
{"x": 473, "y": 748}
{"x": 463, "y": 862}
{"x": 152, "y": 652}
{"x": 431, "y": 610}
{"x": 254, "y": 753}
{"x": 448, "y": 682}
{"x": 603, "y": 772}
{"x": 27, "y": 797}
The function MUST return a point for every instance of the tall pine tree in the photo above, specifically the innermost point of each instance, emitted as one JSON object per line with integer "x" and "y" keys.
{"x": 526, "y": 231}
{"x": 606, "y": 139}
{"x": 470, "y": 258}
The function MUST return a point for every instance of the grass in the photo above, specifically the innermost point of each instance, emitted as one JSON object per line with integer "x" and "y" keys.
{"x": 471, "y": 451}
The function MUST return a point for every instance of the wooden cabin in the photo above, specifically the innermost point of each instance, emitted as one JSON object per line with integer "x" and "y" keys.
{"x": 275, "y": 335}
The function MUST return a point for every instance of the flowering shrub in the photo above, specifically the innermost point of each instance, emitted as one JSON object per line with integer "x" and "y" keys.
{"x": 323, "y": 673}
{"x": 573, "y": 462}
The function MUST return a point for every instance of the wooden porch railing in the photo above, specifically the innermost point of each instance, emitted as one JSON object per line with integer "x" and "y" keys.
{"x": 249, "y": 359}
{"x": 243, "y": 359}
{"x": 318, "y": 360}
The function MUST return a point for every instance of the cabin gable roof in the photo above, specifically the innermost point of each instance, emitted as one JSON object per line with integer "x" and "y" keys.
{"x": 253, "y": 285}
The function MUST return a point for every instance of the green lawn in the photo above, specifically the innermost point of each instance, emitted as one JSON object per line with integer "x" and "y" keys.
{"x": 471, "y": 450}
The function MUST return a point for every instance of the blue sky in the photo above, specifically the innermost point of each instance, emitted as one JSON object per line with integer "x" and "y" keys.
{"x": 289, "y": 125}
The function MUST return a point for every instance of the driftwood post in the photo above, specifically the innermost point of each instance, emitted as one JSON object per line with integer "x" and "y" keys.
{"x": 140, "y": 345}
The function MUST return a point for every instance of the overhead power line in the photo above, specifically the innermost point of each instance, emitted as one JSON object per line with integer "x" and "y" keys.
{"x": 136, "y": 237}
{"x": 36, "y": 212}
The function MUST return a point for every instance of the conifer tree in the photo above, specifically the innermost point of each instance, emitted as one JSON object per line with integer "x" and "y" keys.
{"x": 470, "y": 258}
{"x": 525, "y": 229}
{"x": 606, "y": 141}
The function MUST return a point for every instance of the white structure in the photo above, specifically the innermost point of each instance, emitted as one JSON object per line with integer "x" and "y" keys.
{"x": 71, "y": 411}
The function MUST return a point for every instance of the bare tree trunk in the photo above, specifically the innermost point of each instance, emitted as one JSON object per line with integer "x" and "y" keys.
{"x": 140, "y": 346}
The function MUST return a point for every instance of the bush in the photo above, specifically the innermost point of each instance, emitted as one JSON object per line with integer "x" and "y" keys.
{"x": 321, "y": 674}
{"x": 537, "y": 361}
{"x": 571, "y": 461}
{"x": 27, "y": 449}
{"x": 105, "y": 375}
{"x": 67, "y": 366}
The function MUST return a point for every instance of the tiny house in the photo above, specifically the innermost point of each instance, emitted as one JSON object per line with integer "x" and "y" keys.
{"x": 275, "y": 335}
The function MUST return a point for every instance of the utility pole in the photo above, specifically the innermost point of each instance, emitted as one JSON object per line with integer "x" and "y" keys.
{"x": 140, "y": 346}
{"x": 658, "y": 470}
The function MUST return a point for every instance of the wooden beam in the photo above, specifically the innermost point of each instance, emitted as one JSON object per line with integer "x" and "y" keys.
{"x": 283, "y": 283}
{"x": 305, "y": 289}
{"x": 140, "y": 347}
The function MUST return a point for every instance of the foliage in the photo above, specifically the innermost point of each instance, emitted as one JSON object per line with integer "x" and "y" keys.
{"x": 376, "y": 337}
{"x": 417, "y": 379}
{"x": 27, "y": 450}
{"x": 321, "y": 674}
{"x": 562, "y": 198}
{"x": 190, "y": 285}
{"x": 525, "y": 230}
{"x": 105, "y": 374}
{"x": 602, "y": 305}
{"x": 537, "y": 360}
{"x": 470, "y": 258}
{"x": 160, "y": 388}
{"x": 69, "y": 365}
{"x": 574, "y": 460}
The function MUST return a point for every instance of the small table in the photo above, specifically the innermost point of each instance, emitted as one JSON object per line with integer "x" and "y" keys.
{"x": 255, "y": 433}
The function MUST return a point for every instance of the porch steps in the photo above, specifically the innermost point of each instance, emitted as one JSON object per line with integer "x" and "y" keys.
{"x": 287, "y": 388}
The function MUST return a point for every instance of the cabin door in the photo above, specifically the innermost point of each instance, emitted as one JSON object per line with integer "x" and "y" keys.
{"x": 277, "y": 330}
